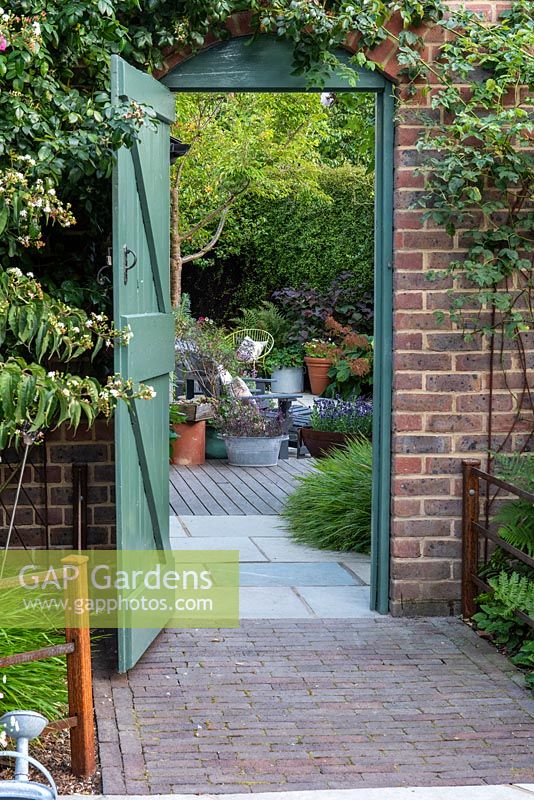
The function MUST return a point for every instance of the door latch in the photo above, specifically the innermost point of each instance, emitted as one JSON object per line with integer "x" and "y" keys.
{"x": 126, "y": 267}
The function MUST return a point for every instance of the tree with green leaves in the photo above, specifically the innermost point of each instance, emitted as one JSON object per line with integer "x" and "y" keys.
{"x": 240, "y": 144}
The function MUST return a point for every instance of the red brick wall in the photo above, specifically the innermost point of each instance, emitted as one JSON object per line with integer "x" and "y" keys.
{"x": 63, "y": 450}
{"x": 440, "y": 382}
{"x": 440, "y": 389}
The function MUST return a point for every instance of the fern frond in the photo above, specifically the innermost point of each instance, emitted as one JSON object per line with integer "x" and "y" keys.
{"x": 515, "y": 592}
{"x": 516, "y": 525}
{"x": 517, "y": 468}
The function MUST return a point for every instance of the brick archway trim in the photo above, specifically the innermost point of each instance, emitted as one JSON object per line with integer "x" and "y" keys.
{"x": 240, "y": 24}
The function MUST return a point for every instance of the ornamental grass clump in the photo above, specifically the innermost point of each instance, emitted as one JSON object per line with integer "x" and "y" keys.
{"x": 343, "y": 416}
{"x": 331, "y": 508}
{"x": 39, "y": 685}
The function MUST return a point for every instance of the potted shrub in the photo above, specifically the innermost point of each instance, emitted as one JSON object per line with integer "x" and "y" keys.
{"x": 351, "y": 374}
{"x": 285, "y": 366}
{"x": 319, "y": 357}
{"x": 334, "y": 423}
{"x": 187, "y": 439}
{"x": 252, "y": 439}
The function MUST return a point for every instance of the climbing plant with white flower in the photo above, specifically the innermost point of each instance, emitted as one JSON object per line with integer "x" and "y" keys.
{"x": 33, "y": 400}
{"x": 32, "y": 322}
{"x": 38, "y": 335}
{"x": 26, "y": 203}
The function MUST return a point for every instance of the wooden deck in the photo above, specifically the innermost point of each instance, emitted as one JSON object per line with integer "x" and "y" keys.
{"x": 215, "y": 488}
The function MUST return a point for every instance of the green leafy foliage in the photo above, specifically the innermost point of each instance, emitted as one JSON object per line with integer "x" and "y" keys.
{"x": 291, "y": 356}
{"x": 32, "y": 322}
{"x": 524, "y": 658}
{"x": 331, "y": 507}
{"x": 298, "y": 240}
{"x": 56, "y": 110}
{"x": 24, "y": 684}
{"x": 516, "y": 525}
{"x": 33, "y": 400}
{"x": 479, "y": 171}
{"x": 511, "y": 580}
{"x": 266, "y": 317}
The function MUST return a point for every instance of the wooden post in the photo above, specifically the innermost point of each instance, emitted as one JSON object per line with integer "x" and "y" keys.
{"x": 79, "y": 673}
{"x": 470, "y": 514}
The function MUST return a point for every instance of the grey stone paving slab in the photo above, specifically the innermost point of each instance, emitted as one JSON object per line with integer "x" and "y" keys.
{"x": 303, "y": 574}
{"x": 247, "y": 549}
{"x": 175, "y": 529}
{"x": 338, "y": 602}
{"x": 266, "y": 603}
{"x": 287, "y": 550}
{"x": 362, "y": 569}
{"x": 250, "y": 525}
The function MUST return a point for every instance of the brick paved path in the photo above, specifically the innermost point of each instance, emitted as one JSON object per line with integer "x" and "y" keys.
{"x": 314, "y": 705}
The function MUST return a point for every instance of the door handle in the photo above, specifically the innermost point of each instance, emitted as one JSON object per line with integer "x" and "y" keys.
{"x": 126, "y": 267}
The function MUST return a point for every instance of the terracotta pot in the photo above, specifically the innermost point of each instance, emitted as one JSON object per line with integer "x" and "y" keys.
{"x": 190, "y": 447}
{"x": 321, "y": 443}
{"x": 318, "y": 373}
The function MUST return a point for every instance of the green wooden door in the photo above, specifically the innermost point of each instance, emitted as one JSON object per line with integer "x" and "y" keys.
{"x": 142, "y": 301}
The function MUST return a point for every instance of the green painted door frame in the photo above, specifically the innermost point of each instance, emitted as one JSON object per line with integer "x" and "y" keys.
{"x": 265, "y": 64}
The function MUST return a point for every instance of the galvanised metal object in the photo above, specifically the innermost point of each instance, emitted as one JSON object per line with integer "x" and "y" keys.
{"x": 23, "y": 726}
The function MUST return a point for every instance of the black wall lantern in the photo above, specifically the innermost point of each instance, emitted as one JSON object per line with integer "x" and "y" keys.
{"x": 178, "y": 149}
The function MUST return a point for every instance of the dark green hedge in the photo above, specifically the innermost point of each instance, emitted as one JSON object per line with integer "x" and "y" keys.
{"x": 268, "y": 245}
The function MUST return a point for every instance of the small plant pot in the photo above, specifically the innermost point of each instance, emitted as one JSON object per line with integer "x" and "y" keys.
{"x": 318, "y": 373}
{"x": 321, "y": 443}
{"x": 253, "y": 451}
{"x": 190, "y": 446}
{"x": 215, "y": 444}
{"x": 288, "y": 380}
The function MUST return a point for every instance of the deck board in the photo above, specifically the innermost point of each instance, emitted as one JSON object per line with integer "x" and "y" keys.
{"x": 216, "y": 489}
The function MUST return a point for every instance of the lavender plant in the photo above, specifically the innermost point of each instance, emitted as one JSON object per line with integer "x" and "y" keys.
{"x": 343, "y": 416}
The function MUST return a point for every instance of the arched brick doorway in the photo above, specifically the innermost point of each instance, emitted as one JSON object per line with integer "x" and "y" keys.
{"x": 265, "y": 64}
{"x": 438, "y": 418}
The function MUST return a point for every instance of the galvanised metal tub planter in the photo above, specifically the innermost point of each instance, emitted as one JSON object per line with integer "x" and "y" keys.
{"x": 253, "y": 451}
{"x": 288, "y": 380}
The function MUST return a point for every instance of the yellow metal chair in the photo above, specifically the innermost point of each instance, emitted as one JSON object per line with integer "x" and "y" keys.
{"x": 257, "y": 336}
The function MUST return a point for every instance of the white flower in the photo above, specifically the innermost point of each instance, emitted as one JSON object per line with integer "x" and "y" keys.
{"x": 50, "y": 374}
{"x": 23, "y": 213}
{"x": 114, "y": 392}
{"x": 89, "y": 323}
{"x": 65, "y": 392}
{"x": 76, "y": 329}
{"x": 28, "y": 274}
{"x": 36, "y": 28}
